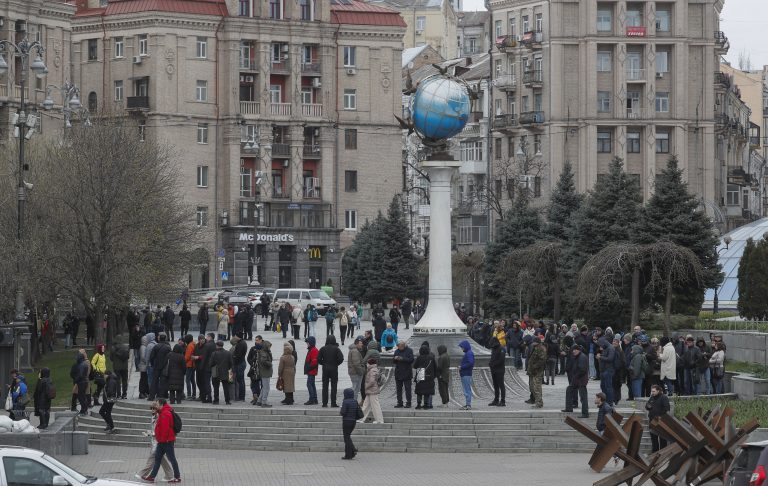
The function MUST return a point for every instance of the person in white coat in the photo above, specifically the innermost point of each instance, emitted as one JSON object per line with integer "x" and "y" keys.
{"x": 668, "y": 370}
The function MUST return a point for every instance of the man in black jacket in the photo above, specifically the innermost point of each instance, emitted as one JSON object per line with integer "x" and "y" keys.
{"x": 657, "y": 405}
{"x": 330, "y": 358}
{"x": 204, "y": 352}
{"x": 159, "y": 359}
{"x": 221, "y": 360}
{"x": 496, "y": 365}
{"x": 239, "y": 350}
{"x": 168, "y": 317}
{"x": 202, "y": 318}
{"x": 403, "y": 373}
{"x": 577, "y": 368}
{"x": 248, "y": 330}
{"x": 185, "y": 316}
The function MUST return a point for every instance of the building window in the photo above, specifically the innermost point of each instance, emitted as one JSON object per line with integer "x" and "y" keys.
{"x": 604, "y": 20}
{"x": 662, "y": 102}
{"x": 93, "y": 49}
{"x": 497, "y": 148}
{"x": 604, "y": 142}
{"x": 142, "y": 131}
{"x": 201, "y": 47}
{"x": 471, "y": 150}
{"x": 275, "y": 9}
{"x": 201, "y": 91}
{"x": 421, "y": 23}
{"x": 202, "y": 176}
{"x": 119, "y": 90}
{"x": 634, "y": 17}
{"x": 662, "y": 142}
{"x": 245, "y": 182}
{"x": 202, "y": 215}
{"x": 497, "y": 28}
{"x": 604, "y": 61}
{"x": 537, "y": 144}
{"x": 350, "y": 180}
{"x": 539, "y": 19}
{"x": 513, "y": 27}
{"x": 119, "y": 47}
{"x": 350, "y": 219}
{"x": 143, "y": 45}
{"x": 732, "y": 195}
{"x": 202, "y": 133}
{"x": 350, "y": 99}
{"x": 350, "y": 139}
{"x": 510, "y": 147}
{"x": 244, "y": 8}
{"x": 305, "y": 9}
{"x": 603, "y": 101}
{"x": 526, "y": 24}
{"x": 633, "y": 142}
{"x": 662, "y": 20}
{"x": 249, "y": 133}
{"x": 662, "y": 61}
{"x": 349, "y": 56}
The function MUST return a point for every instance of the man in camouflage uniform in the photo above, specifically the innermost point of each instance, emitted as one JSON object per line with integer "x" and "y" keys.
{"x": 537, "y": 361}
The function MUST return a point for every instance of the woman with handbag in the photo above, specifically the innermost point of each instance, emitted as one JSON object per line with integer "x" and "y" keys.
{"x": 286, "y": 374}
{"x": 264, "y": 361}
{"x": 373, "y": 383}
{"x": 717, "y": 365}
{"x": 98, "y": 368}
{"x": 426, "y": 369}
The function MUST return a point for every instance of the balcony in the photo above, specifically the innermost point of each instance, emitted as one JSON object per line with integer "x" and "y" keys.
{"x": 722, "y": 80}
{"x": 311, "y": 189}
{"x": 311, "y": 67}
{"x": 280, "y": 193}
{"x": 312, "y": 152}
{"x": 504, "y": 122}
{"x": 533, "y": 78}
{"x": 314, "y": 110}
{"x": 248, "y": 64}
{"x": 532, "y": 118}
{"x": 506, "y": 82}
{"x": 137, "y": 103}
{"x": 280, "y": 109}
{"x": 468, "y": 167}
{"x": 281, "y": 66}
{"x": 635, "y": 74}
{"x": 504, "y": 42}
{"x": 637, "y": 114}
{"x": 281, "y": 150}
{"x": 285, "y": 214}
{"x": 532, "y": 40}
{"x": 722, "y": 45}
{"x": 250, "y": 108}
{"x": 636, "y": 31}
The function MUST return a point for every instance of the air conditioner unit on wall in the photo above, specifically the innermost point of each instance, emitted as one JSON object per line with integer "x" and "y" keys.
{"x": 286, "y": 163}
{"x": 137, "y": 59}
{"x": 316, "y": 83}
{"x": 351, "y": 71}
{"x": 659, "y": 75}
{"x": 285, "y": 48}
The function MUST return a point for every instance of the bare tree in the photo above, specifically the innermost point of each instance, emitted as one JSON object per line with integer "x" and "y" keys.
{"x": 467, "y": 271}
{"x": 109, "y": 219}
{"x": 745, "y": 61}
{"x": 541, "y": 261}
{"x": 663, "y": 264}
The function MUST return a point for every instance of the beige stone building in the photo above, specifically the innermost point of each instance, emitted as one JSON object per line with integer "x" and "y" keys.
{"x": 585, "y": 81}
{"x": 429, "y": 22}
{"x": 280, "y": 113}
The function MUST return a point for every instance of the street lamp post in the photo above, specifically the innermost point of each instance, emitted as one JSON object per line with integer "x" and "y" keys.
{"x": 70, "y": 96}
{"x": 25, "y": 126}
{"x": 727, "y": 240}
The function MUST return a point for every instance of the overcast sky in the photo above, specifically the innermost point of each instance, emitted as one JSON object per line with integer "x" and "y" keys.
{"x": 745, "y": 22}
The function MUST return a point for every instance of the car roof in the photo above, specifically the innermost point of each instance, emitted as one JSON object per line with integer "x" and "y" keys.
{"x": 762, "y": 443}
{"x": 26, "y": 450}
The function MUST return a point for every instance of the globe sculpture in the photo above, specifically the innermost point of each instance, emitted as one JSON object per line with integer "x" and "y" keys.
{"x": 439, "y": 108}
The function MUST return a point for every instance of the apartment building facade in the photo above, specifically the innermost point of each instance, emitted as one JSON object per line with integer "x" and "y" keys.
{"x": 429, "y": 22}
{"x": 280, "y": 114}
{"x": 586, "y": 81}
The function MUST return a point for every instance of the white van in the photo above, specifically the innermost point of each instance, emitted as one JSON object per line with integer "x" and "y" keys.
{"x": 302, "y": 297}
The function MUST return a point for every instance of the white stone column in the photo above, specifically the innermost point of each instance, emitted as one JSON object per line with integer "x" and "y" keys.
{"x": 440, "y": 318}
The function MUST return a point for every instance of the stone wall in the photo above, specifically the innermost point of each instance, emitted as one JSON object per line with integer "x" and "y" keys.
{"x": 748, "y": 346}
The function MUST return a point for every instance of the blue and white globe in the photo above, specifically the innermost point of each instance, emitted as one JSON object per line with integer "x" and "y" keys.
{"x": 440, "y": 108}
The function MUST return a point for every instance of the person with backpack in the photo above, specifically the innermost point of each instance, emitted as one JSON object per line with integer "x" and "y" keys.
{"x": 45, "y": 392}
{"x": 343, "y": 324}
{"x": 389, "y": 338}
{"x": 167, "y": 470}
{"x": 537, "y": 361}
{"x": 330, "y": 316}
{"x": 350, "y": 412}
{"x": 111, "y": 391}
{"x": 165, "y": 435}
{"x": 638, "y": 367}
{"x": 264, "y": 362}
{"x": 119, "y": 355}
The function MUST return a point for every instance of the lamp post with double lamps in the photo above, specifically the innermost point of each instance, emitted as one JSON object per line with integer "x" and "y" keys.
{"x": 71, "y": 105}
{"x": 25, "y": 126}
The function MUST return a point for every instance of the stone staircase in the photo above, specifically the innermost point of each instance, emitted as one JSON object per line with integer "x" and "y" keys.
{"x": 319, "y": 430}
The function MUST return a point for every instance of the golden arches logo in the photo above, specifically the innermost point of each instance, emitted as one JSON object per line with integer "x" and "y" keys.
{"x": 315, "y": 253}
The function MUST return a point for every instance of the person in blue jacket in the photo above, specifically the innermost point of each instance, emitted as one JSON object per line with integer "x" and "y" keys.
{"x": 19, "y": 397}
{"x": 465, "y": 372}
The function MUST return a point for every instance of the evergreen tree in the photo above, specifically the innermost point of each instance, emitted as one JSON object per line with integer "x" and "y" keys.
{"x": 608, "y": 215}
{"x": 746, "y": 277}
{"x": 753, "y": 280}
{"x": 352, "y": 276}
{"x": 398, "y": 266}
{"x": 372, "y": 281}
{"x": 563, "y": 205}
{"x": 672, "y": 214}
{"x": 521, "y": 227}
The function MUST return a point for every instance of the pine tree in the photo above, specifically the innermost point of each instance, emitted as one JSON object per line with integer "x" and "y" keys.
{"x": 521, "y": 227}
{"x": 563, "y": 205}
{"x": 672, "y": 214}
{"x": 398, "y": 268}
{"x": 352, "y": 276}
{"x": 745, "y": 276}
{"x": 608, "y": 215}
{"x": 753, "y": 280}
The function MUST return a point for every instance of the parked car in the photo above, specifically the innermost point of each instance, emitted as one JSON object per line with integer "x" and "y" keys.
{"x": 302, "y": 297}
{"x": 750, "y": 465}
{"x": 24, "y": 466}
{"x": 240, "y": 298}
{"x": 209, "y": 298}
{"x": 255, "y": 297}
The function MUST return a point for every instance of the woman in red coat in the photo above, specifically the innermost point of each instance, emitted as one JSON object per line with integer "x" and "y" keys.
{"x": 165, "y": 437}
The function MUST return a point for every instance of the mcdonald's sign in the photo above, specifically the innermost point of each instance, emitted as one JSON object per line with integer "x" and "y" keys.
{"x": 315, "y": 253}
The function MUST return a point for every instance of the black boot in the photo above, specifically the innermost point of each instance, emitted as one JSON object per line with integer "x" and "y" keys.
{"x": 73, "y": 407}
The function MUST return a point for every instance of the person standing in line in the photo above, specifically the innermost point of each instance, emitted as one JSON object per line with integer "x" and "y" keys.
{"x": 330, "y": 316}
{"x": 202, "y": 356}
{"x": 330, "y": 358}
{"x": 537, "y": 361}
{"x": 184, "y": 317}
{"x": 222, "y": 326}
{"x": 168, "y": 318}
{"x": 111, "y": 390}
{"x": 668, "y": 371}
{"x": 296, "y": 317}
{"x": 606, "y": 356}
{"x": 99, "y": 364}
{"x": 466, "y": 368}
{"x": 407, "y": 308}
{"x": 286, "y": 374}
{"x": 158, "y": 357}
{"x": 372, "y": 389}
{"x": 497, "y": 368}
{"x": 394, "y": 317}
{"x": 221, "y": 364}
{"x": 264, "y": 360}
{"x": 144, "y": 365}
{"x": 166, "y": 438}
{"x": 343, "y": 324}
{"x": 403, "y": 359}
{"x": 44, "y": 393}
{"x": 202, "y": 318}
{"x": 426, "y": 370}
{"x": 352, "y": 319}
{"x": 389, "y": 337}
{"x": 253, "y": 370}
{"x": 67, "y": 327}
{"x": 90, "y": 330}
{"x": 312, "y": 321}
{"x": 355, "y": 364}
{"x": 239, "y": 350}
{"x": 717, "y": 364}
{"x": 577, "y": 369}
{"x": 134, "y": 338}
{"x": 443, "y": 373}
{"x": 350, "y": 412}
{"x": 359, "y": 310}
{"x": 249, "y": 317}
{"x": 176, "y": 370}
{"x": 167, "y": 470}
{"x": 310, "y": 369}
{"x": 657, "y": 406}
{"x": 120, "y": 354}
{"x": 189, "y": 363}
